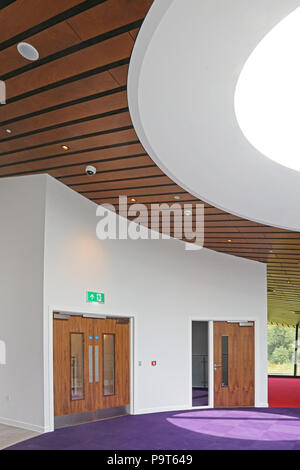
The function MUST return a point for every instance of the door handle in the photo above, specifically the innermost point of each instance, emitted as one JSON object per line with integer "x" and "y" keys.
{"x": 217, "y": 365}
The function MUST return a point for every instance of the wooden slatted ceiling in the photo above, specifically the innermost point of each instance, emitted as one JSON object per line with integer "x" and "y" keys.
{"x": 75, "y": 95}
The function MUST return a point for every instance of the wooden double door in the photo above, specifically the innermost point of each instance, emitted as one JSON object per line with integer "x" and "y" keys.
{"x": 233, "y": 364}
{"x": 91, "y": 364}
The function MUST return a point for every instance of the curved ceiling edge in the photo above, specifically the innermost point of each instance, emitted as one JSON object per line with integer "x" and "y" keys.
{"x": 247, "y": 184}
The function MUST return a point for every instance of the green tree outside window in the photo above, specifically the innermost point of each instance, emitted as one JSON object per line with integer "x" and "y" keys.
{"x": 281, "y": 343}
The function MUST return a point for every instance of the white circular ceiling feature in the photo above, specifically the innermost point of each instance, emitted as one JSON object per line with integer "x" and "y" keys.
{"x": 182, "y": 88}
{"x": 267, "y": 97}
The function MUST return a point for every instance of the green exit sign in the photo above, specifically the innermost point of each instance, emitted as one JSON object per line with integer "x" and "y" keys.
{"x": 95, "y": 297}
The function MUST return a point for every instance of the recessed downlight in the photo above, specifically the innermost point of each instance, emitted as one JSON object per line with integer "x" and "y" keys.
{"x": 28, "y": 51}
{"x": 8, "y": 131}
{"x": 188, "y": 212}
{"x": 229, "y": 240}
{"x": 176, "y": 197}
{"x": 132, "y": 199}
{"x": 65, "y": 147}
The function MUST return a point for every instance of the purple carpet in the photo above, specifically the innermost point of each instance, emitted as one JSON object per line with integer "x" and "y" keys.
{"x": 216, "y": 429}
{"x": 200, "y": 396}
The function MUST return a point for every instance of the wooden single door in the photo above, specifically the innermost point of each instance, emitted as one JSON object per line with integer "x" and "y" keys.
{"x": 112, "y": 386}
{"x": 233, "y": 364}
{"x": 91, "y": 364}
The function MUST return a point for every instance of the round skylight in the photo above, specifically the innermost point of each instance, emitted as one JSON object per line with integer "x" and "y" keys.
{"x": 267, "y": 96}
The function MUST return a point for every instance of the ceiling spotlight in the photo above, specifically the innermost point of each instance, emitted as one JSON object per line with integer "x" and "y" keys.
{"x": 65, "y": 147}
{"x": 27, "y": 51}
{"x": 8, "y": 131}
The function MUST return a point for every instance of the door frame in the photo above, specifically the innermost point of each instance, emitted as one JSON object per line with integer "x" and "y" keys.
{"x": 48, "y": 358}
{"x": 211, "y": 356}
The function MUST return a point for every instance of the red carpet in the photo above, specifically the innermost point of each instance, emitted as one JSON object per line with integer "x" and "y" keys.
{"x": 284, "y": 392}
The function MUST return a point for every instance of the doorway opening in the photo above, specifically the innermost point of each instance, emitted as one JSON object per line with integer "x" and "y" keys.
{"x": 200, "y": 396}
{"x": 91, "y": 366}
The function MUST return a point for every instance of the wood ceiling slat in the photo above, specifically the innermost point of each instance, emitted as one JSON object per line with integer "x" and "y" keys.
{"x": 72, "y": 50}
{"x": 128, "y": 173}
{"x": 134, "y": 33}
{"x": 208, "y": 210}
{"x": 108, "y": 16}
{"x": 120, "y": 74}
{"x": 218, "y": 219}
{"x": 124, "y": 186}
{"x": 120, "y": 66}
{"x": 69, "y": 132}
{"x": 77, "y": 137}
{"x": 28, "y": 120}
{"x": 112, "y": 170}
{"x": 112, "y": 50}
{"x": 51, "y": 28}
{"x": 116, "y": 99}
{"x": 265, "y": 228}
{"x": 159, "y": 199}
{"x": 238, "y": 223}
{"x": 5, "y": 3}
{"x": 132, "y": 192}
{"x": 283, "y": 276}
{"x": 115, "y": 157}
{"x": 62, "y": 94}
{"x": 283, "y": 269}
{"x": 215, "y": 234}
{"x": 47, "y": 42}
{"x": 241, "y": 246}
{"x": 24, "y": 14}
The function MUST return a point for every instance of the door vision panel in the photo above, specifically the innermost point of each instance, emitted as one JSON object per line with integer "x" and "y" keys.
{"x": 233, "y": 364}
{"x": 91, "y": 364}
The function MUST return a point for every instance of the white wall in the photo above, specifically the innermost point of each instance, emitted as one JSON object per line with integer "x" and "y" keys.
{"x": 22, "y": 211}
{"x": 158, "y": 282}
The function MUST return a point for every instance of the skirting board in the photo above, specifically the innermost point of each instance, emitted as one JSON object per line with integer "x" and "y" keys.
{"x": 184, "y": 408}
{"x": 22, "y": 425}
{"x": 161, "y": 410}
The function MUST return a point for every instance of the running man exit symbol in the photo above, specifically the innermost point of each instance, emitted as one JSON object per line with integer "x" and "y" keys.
{"x": 153, "y": 363}
{"x": 95, "y": 297}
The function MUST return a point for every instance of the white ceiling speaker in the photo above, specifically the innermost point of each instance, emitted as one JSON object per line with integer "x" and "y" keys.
{"x": 28, "y": 51}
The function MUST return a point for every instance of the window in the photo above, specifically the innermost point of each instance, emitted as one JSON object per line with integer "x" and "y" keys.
{"x": 224, "y": 361}
{"x": 108, "y": 364}
{"x": 77, "y": 381}
{"x": 281, "y": 350}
